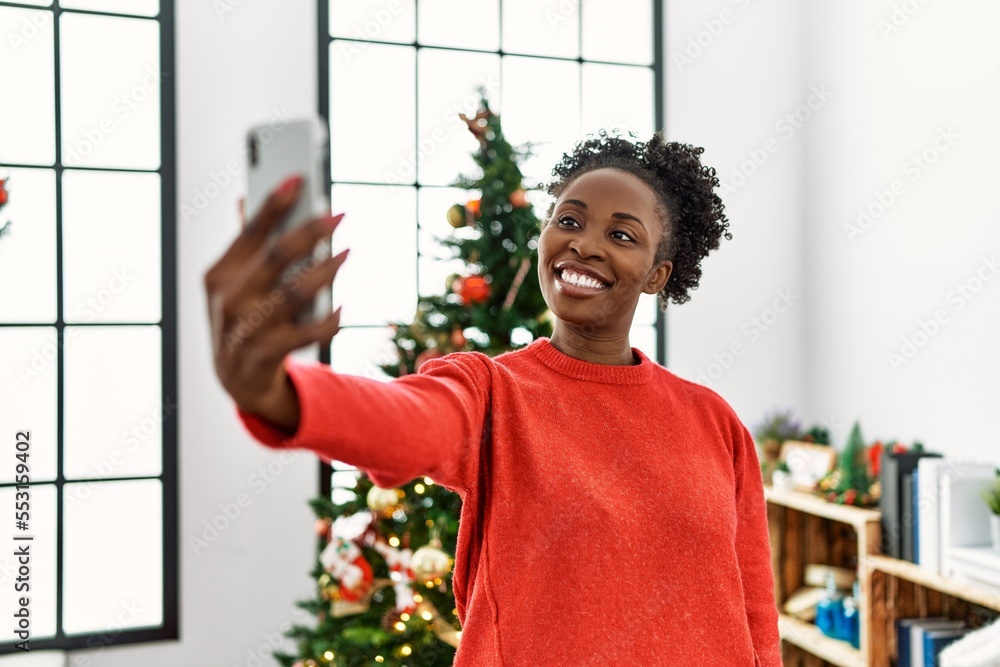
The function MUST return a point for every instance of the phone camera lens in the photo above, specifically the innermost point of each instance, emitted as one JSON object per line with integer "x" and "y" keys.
{"x": 252, "y": 146}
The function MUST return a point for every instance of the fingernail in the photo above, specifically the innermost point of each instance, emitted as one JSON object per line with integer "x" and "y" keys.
{"x": 290, "y": 185}
{"x": 334, "y": 220}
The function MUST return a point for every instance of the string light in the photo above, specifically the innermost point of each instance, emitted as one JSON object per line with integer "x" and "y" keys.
{"x": 328, "y": 656}
{"x": 419, "y": 488}
{"x": 394, "y": 541}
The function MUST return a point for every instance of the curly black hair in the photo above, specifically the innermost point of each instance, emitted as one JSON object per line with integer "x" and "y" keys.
{"x": 684, "y": 191}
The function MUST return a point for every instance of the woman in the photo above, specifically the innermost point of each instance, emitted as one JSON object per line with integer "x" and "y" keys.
{"x": 613, "y": 513}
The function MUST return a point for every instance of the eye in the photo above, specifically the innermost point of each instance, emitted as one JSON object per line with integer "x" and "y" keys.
{"x": 564, "y": 218}
{"x": 627, "y": 235}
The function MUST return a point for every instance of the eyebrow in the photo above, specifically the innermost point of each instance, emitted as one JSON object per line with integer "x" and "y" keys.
{"x": 618, "y": 215}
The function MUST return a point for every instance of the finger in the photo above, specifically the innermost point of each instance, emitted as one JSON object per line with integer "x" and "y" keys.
{"x": 293, "y": 246}
{"x": 292, "y": 337}
{"x": 277, "y": 204}
{"x": 313, "y": 278}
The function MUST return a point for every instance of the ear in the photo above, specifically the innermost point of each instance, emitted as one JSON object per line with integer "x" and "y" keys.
{"x": 658, "y": 277}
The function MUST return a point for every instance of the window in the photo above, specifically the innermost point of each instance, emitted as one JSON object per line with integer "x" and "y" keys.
{"x": 88, "y": 322}
{"x": 394, "y": 74}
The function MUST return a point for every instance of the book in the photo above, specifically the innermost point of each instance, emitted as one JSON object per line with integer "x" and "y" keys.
{"x": 936, "y": 640}
{"x": 917, "y": 631}
{"x": 903, "y": 626}
{"x": 894, "y": 465}
{"x": 907, "y": 515}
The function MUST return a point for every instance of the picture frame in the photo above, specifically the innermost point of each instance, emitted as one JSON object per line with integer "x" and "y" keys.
{"x": 808, "y": 462}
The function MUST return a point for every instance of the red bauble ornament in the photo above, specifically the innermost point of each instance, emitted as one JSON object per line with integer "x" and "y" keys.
{"x": 426, "y": 355}
{"x": 323, "y": 528}
{"x": 474, "y": 289}
{"x": 474, "y": 206}
{"x": 457, "y": 339}
{"x": 3, "y": 191}
{"x": 518, "y": 198}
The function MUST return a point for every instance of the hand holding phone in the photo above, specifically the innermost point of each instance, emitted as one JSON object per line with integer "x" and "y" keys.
{"x": 274, "y": 153}
{"x": 254, "y": 313}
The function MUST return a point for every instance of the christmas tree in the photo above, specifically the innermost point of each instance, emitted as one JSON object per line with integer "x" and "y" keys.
{"x": 383, "y": 594}
{"x": 851, "y": 482}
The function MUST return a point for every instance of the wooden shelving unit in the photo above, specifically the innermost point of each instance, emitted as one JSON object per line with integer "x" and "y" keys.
{"x": 900, "y": 589}
{"x": 806, "y": 529}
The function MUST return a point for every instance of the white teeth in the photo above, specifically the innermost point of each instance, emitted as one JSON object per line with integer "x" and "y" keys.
{"x": 579, "y": 279}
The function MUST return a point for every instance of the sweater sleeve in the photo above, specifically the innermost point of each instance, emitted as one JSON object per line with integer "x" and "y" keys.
{"x": 428, "y": 423}
{"x": 753, "y": 550}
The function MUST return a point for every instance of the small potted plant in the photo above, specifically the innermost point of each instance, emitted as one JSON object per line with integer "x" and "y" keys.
{"x": 992, "y": 498}
{"x": 781, "y": 478}
{"x": 773, "y": 430}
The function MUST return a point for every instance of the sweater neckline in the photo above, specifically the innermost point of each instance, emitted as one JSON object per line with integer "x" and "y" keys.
{"x": 579, "y": 369}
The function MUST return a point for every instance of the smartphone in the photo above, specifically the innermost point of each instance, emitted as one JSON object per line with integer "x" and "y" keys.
{"x": 275, "y": 151}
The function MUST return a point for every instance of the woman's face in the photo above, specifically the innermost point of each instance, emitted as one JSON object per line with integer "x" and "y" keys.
{"x": 604, "y": 229}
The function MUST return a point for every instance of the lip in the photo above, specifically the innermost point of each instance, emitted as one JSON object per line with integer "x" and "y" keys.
{"x": 579, "y": 267}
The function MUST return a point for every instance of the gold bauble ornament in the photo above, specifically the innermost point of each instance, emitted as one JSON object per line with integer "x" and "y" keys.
{"x": 457, "y": 216}
{"x": 383, "y": 502}
{"x": 430, "y": 563}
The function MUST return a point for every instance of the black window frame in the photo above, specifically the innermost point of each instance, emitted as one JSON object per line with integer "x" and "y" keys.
{"x": 168, "y": 332}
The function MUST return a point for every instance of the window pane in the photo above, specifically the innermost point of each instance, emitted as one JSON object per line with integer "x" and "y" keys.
{"x": 617, "y": 96}
{"x": 541, "y": 104}
{"x": 376, "y": 20}
{"x": 110, "y": 91}
{"x": 28, "y": 395}
{"x": 42, "y": 527}
{"x": 460, "y": 24}
{"x": 618, "y": 30}
{"x": 113, "y": 406}
{"x": 645, "y": 310}
{"x": 434, "y": 274}
{"x": 372, "y": 135}
{"x": 542, "y": 28}
{"x": 448, "y": 81}
{"x": 361, "y": 351}
{"x": 113, "y": 556}
{"x": 134, "y": 7}
{"x": 377, "y": 282}
{"x": 644, "y": 338}
{"x": 111, "y": 236}
{"x": 433, "y": 218}
{"x": 29, "y": 247}
{"x": 27, "y": 116}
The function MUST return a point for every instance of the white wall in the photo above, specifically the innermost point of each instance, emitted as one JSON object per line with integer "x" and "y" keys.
{"x": 733, "y": 72}
{"x": 237, "y": 594}
{"x": 897, "y": 74}
{"x": 897, "y": 89}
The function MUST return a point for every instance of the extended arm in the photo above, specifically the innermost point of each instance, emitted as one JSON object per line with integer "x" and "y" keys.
{"x": 429, "y": 423}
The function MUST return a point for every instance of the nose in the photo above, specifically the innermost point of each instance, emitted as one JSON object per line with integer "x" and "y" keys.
{"x": 588, "y": 244}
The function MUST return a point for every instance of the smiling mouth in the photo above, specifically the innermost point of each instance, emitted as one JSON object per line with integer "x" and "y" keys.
{"x": 578, "y": 284}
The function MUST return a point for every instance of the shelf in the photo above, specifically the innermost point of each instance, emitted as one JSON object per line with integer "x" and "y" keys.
{"x": 918, "y": 575}
{"x": 807, "y": 636}
{"x": 805, "y": 502}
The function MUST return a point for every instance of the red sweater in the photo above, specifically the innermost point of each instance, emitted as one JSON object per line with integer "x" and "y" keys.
{"x": 611, "y": 515}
